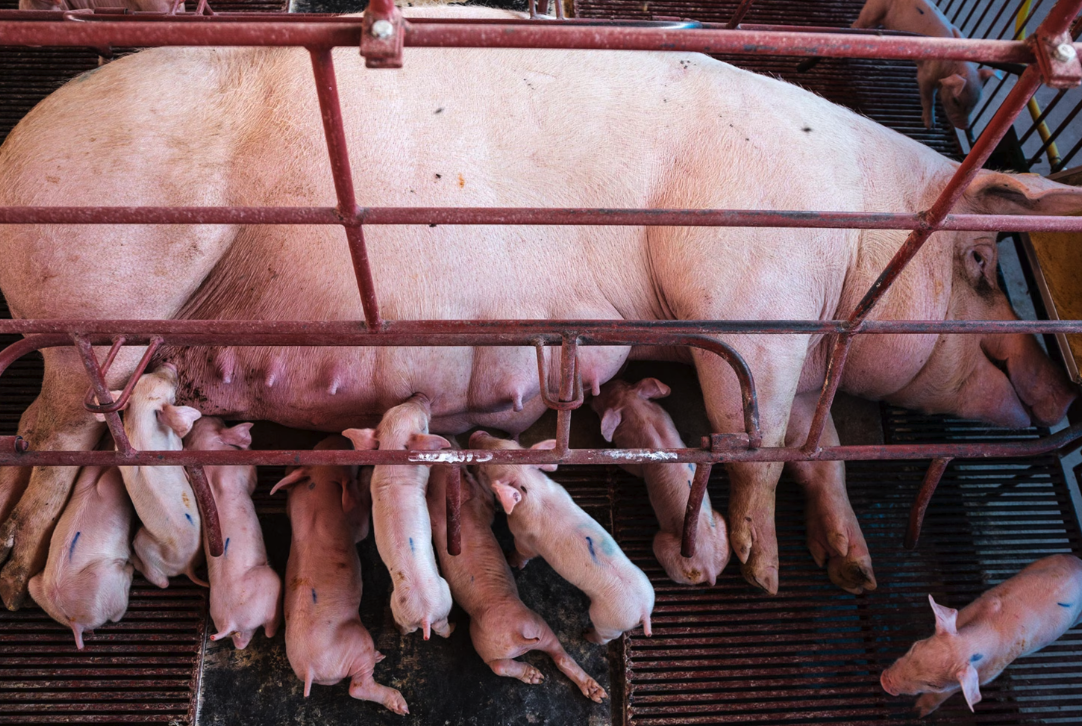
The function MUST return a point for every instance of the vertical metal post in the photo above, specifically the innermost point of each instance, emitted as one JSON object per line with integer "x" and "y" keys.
{"x": 208, "y": 509}
{"x": 454, "y": 509}
{"x": 741, "y": 10}
{"x": 101, "y": 392}
{"x": 695, "y": 502}
{"x": 334, "y": 131}
{"x": 568, "y": 371}
{"x": 924, "y": 497}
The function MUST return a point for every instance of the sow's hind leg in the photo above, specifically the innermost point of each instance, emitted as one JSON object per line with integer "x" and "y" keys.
{"x": 59, "y": 423}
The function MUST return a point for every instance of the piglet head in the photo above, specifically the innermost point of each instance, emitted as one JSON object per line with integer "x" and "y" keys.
{"x": 937, "y": 664}
{"x": 510, "y": 484}
{"x": 618, "y": 395}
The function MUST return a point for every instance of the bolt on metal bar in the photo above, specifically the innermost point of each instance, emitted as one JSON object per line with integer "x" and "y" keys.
{"x": 924, "y": 497}
{"x": 335, "y": 134}
{"x": 101, "y": 390}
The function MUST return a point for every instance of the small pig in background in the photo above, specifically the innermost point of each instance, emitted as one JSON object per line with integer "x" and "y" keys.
{"x": 325, "y": 639}
{"x": 245, "y": 592}
{"x": 545, "y": 521}
{"x": 170, "y": 542}
{"x": 88, "y": 574}
{"x": 972, "y": 647}
{"x": 958, "y": 83}
{"x": 421, "y": 598}
{"x": 631, "y": 419}
{"x": 502, "y": 628}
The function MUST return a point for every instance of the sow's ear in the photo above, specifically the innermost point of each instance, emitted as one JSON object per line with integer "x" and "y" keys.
{"x": 971, "y": 686}
{"x": 507, "y": 494}
{"x": 945, "y": 618}
{"x": 363, "y": 439}
{"x": 290, "y": 479}
{"x": 179, "y": 418}
{"x": 543, "y": 445}
{"x": 996, "y": 193}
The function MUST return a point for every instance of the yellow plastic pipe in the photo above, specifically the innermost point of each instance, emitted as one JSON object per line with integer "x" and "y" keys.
{"x": 1033, "y": 106}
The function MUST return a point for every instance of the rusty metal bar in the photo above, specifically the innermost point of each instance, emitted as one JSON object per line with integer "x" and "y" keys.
{"x": 691, "y": 514}
{"x": 335, "y": 133}
{"x": 924, "y": 497}
{"x": 738, "y": 15}
{"x": 101, "y": 390}
{"x": 532, "y": 216}
{"x": 208, "y": 510}
{"x": 570, "y": 390}
{"x": 454, "y": 510}
{"x": 125, "y": 394}
{"x": 315, "y": 33}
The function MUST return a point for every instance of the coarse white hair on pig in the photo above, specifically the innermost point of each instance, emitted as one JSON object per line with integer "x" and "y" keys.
{"x": 475, "y": 127}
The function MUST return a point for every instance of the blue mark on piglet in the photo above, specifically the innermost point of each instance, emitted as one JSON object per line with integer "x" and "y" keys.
{"x": 226, "y": 548}
{"x": 189, "y": 518}
{"x": 590, "y": 546}
{"x": 313, "y": 594}
{"x": 411, "y": 544}
{"x": 73, "y": 541}
{"x": 976, "y": 657}
{"x": 1061, "y": 604}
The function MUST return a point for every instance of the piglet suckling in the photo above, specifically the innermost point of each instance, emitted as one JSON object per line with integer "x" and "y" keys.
{"x": 245, "y": 592}
{"x": 170, "y": 542}
{"x": 421, "y": 598}
{"x": 325, "y": 639}
{"x": 631, "y": 420}
{"x": 545, "y": 521}
{"x": 88, "y": 574}
{"x": 973, "y": 646}
{"x": 502, "y": 628}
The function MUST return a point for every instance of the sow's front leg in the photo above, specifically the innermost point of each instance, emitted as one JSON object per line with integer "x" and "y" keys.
{"x": 834, "y": 535}
{"x": 61, "y": 424}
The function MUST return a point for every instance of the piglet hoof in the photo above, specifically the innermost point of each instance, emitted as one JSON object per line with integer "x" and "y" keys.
{"x": 927, "y": 703}
{"x": 593, "y": 690}
{"x": 592, "y": 636}
{"x": 517, "y": 560}
{"x": 396, "y": 703}
{"x": 531, "y": 675}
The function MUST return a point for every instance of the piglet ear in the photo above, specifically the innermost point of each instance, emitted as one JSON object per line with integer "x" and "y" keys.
{"x": 240, "y": 435}
{"x": 363, "y": 439}
{"x": 609, "y": 421}
{"x": 987, "y": 73}
{"x": 650, "y": 388}
{"x": 945, "y": 618}
{"x": 290, "y": 479}
{"x": 179, "y": 418}
{"x": 953, "y": 84}
{"x": 427, "y": 442}
{"x": 547, "y": 444}
{"x": 971, "y": 685}
{"x": 507, "y": 494}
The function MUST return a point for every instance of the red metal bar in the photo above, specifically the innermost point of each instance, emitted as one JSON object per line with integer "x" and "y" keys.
{"x": 533, "y": 216}
{"x": 208, "y": 510}
{"x": 741, "y": 10}
{"x": 315, "y": 32}
{"x": 310, "y": 457}
{"x": 570, "y": 390}
{"x": 101, "y": 390}
{"x": 122, "y": 400}
{"x": 454, "y": 509}
{"x": 691, "y": 514}
{"x": 335, "y": 133}
{"x": 924, "y": 497}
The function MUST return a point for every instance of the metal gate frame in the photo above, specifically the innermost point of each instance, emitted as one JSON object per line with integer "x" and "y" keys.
{"x": 1050, "y": 57}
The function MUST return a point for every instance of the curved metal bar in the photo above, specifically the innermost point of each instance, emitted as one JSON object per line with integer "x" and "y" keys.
{"x": 551, "y": 401}
{"x": 691, "y": 514}
{"x": 208, "y": 509}
{"x": 30, "y": 344}
{"x": 924, "y": 498}
{"x": 125, "y": 394}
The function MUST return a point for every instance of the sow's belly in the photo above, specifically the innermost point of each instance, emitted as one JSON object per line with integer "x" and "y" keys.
{"x": 331, "y": 389}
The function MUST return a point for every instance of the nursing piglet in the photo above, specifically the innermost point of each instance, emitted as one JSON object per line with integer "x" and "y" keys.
{"x": 325, "y": 639}
{"x": 170, "y": 541}
{"x": 973, "y": 646}
{"x": 546, "y": 522}
{"x": 245, "y": 592}
{"x": 88, "y": 575}
{"x": 421, "y": 598}
{"x": 633, "y": 421}
{"x": 501, "y": 626}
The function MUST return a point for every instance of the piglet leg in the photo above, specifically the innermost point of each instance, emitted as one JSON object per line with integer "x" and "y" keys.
{"x": 567, "y": 665}
{"x": 929, "y": 702}
{"x": 365, "y": 688}
{"x": 518, "y": 558}
{"x": 510, "y": 668}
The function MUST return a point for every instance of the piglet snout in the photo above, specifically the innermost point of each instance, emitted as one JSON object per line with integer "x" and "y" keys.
{"x": 884, "y": 681}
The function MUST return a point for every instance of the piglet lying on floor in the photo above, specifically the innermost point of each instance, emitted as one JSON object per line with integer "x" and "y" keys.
{"x": 546, "y": 522}
{"x": 421, "y": 598}
{"x": 88, "y": 574}
{"x": 244, "y": 591}
{"x": 972, "y": 647}
{"x": 633, "y": 421}
{"x": 170, "y": 542}
{"x": 325, "y": 640}
{"x": 501, "y": 626}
